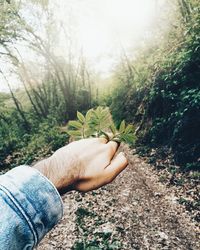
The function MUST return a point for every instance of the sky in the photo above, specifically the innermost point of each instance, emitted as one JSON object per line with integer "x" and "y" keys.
{"x": 99, "y": 29}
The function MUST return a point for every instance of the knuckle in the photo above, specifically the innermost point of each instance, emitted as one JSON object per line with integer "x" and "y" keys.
{"x": 109, "y": 178}
{"x": 110, "y": 149}
{"x": 124, "y": 159}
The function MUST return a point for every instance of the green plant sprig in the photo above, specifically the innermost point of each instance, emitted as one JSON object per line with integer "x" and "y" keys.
{"x": 98, "y": 123}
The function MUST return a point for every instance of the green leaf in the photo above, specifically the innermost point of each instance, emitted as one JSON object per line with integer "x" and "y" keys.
{"x": 75, "y": 124}
{"x": 122, "y": 127}
{"x": 127, "y": 138}
{"x": 113, "y": 129}
{"x": 74, "y": 133}
{"x": 89, "y": 132}
{"x": 80, "y": 117}
{"x": 88, "y": 115}
{"x": 98, "y": 122}
{"x": 129, "y": 129}
{"x": 100, "y": 119}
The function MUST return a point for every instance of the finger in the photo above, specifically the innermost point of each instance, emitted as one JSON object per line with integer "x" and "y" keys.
{"x": 118, "y": 164}
{"x": 113, "y": 147}
{"x": 102, "y": 140}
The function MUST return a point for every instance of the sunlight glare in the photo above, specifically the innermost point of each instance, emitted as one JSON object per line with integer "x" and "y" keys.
{"x": 105, "y": 26}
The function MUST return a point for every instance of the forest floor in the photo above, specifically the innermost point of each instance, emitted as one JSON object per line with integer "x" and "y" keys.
{"x": 136, "y": 211}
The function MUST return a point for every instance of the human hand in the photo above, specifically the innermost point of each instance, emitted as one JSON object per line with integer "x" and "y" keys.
{"x": 83, "y": 165}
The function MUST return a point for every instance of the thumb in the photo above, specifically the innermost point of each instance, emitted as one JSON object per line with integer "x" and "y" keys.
{"x": 116, "y": 166}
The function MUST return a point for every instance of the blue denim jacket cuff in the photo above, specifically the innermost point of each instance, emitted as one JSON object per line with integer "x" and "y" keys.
{"x": 35, "y": 197}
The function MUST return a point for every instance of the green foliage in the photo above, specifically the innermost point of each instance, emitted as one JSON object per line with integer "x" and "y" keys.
{"x": 19, "y": 147}
{"x": 174, "y": 101}
{"x": 62, "y": 87}
{"x": 10, "y": 22}
{"x": 98, "y": 122}
{"x": 160, "y": 91}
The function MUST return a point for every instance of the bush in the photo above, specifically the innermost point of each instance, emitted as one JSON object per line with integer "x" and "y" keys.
{"x": 161, "y": 93}
{"x": 23, "y": 148}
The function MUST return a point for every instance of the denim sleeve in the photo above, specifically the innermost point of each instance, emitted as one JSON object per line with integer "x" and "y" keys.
{"x": 29, "y": 207}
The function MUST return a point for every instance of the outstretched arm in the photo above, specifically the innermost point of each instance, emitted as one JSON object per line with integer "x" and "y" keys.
{"x": 30, "y": 204}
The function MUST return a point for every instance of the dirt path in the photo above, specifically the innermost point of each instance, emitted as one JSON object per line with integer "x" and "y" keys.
{"x": 134, "y": 212}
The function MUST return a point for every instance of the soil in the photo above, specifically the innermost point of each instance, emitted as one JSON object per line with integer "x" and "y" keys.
{"x": 136, "y": 211}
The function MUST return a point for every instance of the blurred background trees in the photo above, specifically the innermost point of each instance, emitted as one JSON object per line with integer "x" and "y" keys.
{"x": 52, "y": 87}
